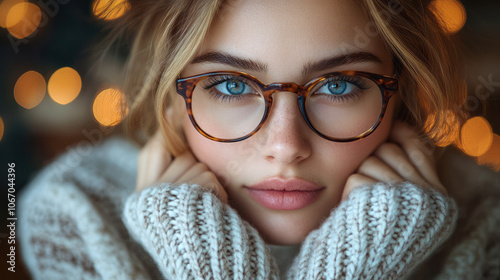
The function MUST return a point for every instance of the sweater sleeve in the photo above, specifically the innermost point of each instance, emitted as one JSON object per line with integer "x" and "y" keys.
{"x": 65, "y": 234}
{"x": 380, "y": 232}
{"x": 192, "y": 235}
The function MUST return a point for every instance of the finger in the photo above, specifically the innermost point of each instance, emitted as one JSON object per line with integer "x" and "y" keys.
{"x": 194, "y": 171}
{"x": 209, "y": 181}
{"x": 354, "y": 181}
{"x": 152, "y": 161}
{"x": 420, "y": 154}
{"x": 397, "y": 159}
{"x": 179, "y": 166}
{"x": 378, "y": 170}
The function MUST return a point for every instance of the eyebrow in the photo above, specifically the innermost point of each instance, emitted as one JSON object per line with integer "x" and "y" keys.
{"x": 336, "y": 61}
{"x": 310, "y": 67}
{"x": 225, "y": 58}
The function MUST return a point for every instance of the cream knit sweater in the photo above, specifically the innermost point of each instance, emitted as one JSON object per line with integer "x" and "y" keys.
{"x": 81, "y": 219}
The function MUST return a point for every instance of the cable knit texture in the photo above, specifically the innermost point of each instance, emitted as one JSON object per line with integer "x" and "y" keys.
{"x": 469, "y": 259}
{"x": 192, "y": 235}
{"x": 81, "y": 219}
{"x": 380, "y": 232}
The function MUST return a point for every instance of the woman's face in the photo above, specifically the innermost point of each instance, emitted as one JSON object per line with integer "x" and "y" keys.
{"x": 284, "y": 36}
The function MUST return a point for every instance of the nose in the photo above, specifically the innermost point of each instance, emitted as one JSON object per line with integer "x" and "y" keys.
{"x": 285, "y": 137}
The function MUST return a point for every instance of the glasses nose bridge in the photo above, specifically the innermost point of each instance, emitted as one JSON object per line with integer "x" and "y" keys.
{"x": 299, "y": 90}
{"x": 277, "y": 87}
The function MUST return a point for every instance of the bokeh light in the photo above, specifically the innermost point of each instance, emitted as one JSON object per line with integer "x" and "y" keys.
{"x": 64, "y": 85}
{"x": 492, "y": 157}
{"x": 476, "y": 136}
{"x": 451, "y": 13}
{"x": 110, "y": 9}
{"x": 30, "y": 89}
{"x": 23, "y": 19}
{"x": 16, "y": 14}
{"x": 5, "y": 7}
{"x": 1, "y": 128}
{"x": 110, "y": 107}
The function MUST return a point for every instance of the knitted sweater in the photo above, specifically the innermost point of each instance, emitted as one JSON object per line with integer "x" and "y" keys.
{"x": 81, "y": 219}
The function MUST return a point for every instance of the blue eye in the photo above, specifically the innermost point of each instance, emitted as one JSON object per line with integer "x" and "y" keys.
{"x": 233, "y": 87}
{"x": 337, "y": 88}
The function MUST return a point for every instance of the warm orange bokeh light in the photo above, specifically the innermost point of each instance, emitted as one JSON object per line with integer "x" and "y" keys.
{"x": 476, "y": 136}
{"x": 5, "y": 7}
{"x": 16, "y": 14}
{"x": 448, "y": 133}
{"x": 29, "y": 89}
{"x": 451, "y": 12}
{"x": 23, "y": 19}
{"x": 110, "y": 107}
{"x": 492, "y": 157}
{"x": 1, "y": 128}
{"x": 64, "y": 85}
{"x": 110, "y": 9}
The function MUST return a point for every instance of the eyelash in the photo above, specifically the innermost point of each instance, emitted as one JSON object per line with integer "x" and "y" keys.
{"x": 348, "y": 97}
{"x": 350, "y": 79}
{"x": 213, "y": 81}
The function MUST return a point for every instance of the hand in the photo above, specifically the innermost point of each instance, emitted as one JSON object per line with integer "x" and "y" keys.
{"x": 403, "y": 158}
{"x": 156, "y": 165}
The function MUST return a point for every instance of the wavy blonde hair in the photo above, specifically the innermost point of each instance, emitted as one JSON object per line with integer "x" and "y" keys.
{"x": 430, "y": 66}
{"x": 165, "y": 35}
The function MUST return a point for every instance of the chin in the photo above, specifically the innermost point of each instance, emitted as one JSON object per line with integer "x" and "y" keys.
{"x": 286, "y": 239}
{"x": 285, "y": 227}
{"x": 282, "y": 227}
{"x": 292, "y": 234}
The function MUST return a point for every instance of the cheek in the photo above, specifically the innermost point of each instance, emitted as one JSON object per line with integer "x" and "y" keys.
{"x": 224, "y": 159}
{"x": 349, "y": 156}
{"x": 217, "y": 156}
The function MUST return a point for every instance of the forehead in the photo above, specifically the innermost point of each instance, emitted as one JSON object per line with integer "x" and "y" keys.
{"x": 289, "y": 27}
{"x": 298, "y": 17}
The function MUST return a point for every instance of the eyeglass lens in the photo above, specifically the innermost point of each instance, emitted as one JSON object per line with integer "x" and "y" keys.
{"x": 230, "y": 107}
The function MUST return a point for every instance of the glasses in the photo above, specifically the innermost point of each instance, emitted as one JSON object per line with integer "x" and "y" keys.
{"x": 341, "y": 106}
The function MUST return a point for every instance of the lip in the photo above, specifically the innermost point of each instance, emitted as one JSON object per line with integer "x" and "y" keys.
{"x": 285, "y": 194}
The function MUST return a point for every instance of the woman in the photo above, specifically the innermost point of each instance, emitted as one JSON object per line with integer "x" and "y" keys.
{"x": 277, "y": 147}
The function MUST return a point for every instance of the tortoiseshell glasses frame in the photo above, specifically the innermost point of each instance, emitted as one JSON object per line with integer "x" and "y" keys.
{"x": 388, "y": 87}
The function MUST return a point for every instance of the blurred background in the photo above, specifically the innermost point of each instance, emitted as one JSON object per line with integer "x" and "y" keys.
{"x": 52, "y": 96}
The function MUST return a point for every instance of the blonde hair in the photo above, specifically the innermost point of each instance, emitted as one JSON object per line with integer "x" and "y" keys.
{"x": 165, "y": 36}
{"x": 432, "y": 80}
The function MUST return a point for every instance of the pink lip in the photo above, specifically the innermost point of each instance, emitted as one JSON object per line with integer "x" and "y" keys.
{"x": 285, "y": 194}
